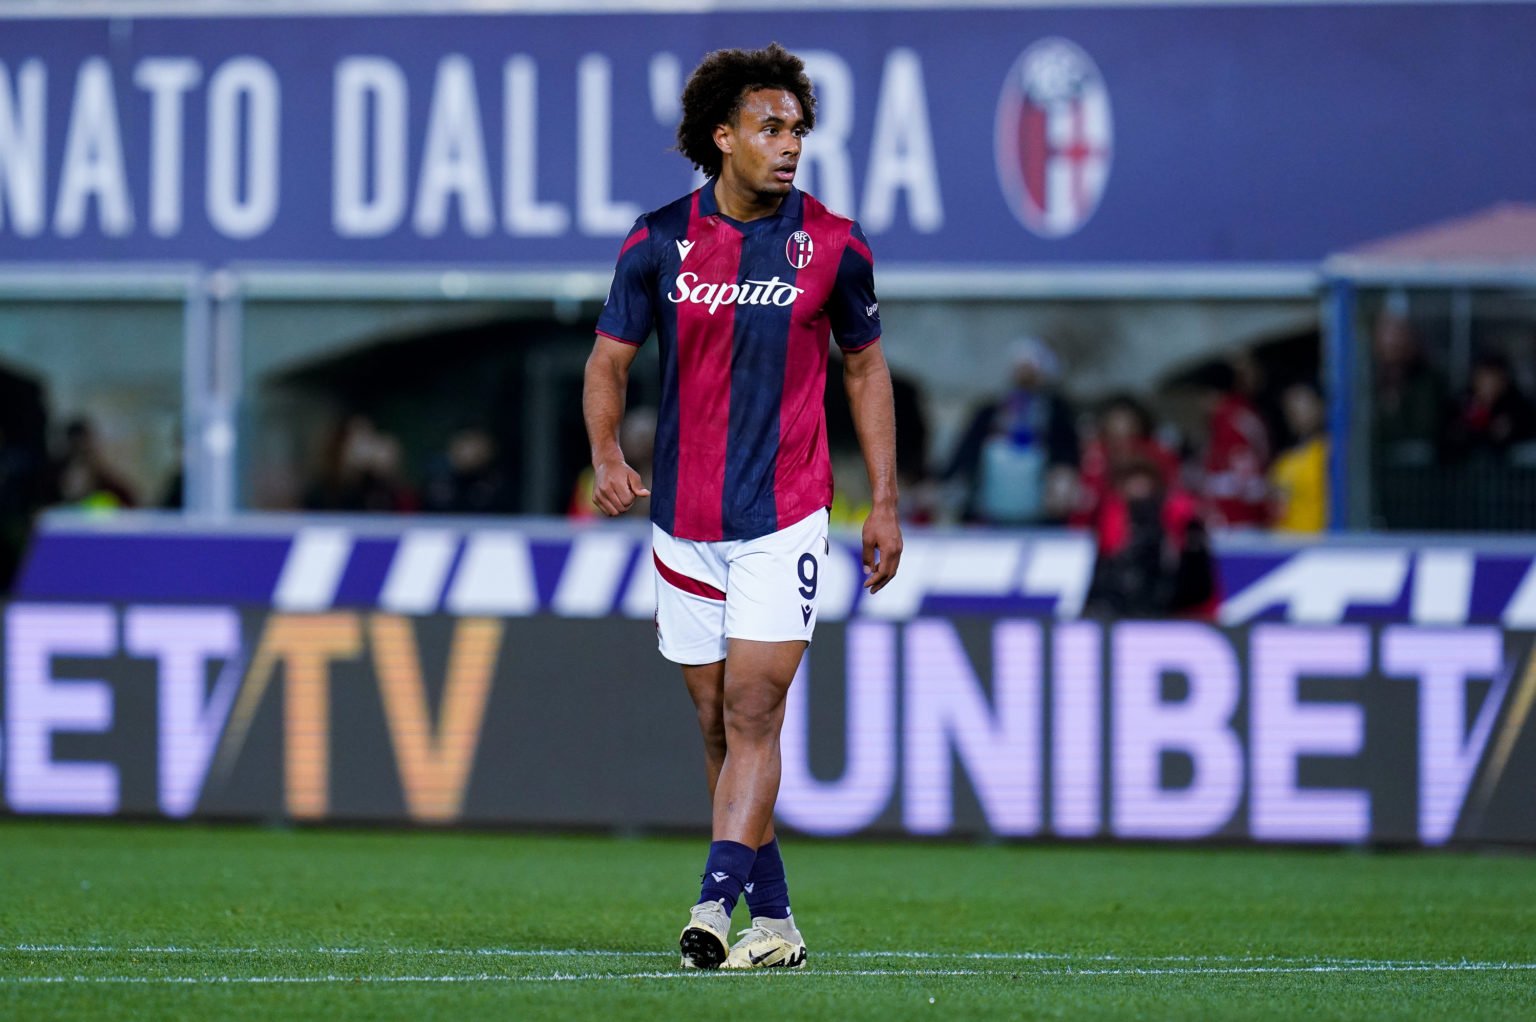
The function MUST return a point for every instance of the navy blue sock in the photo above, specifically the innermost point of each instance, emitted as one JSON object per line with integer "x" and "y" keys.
{"x": 767, "y": 889}
{"x": 725, "y": 873}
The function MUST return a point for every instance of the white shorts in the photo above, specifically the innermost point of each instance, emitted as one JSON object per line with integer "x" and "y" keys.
{"x": 763, "y": 589}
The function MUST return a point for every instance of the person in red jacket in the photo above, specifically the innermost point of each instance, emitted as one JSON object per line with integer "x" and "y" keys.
{"x": 1124, "y": 429}
{"x": 1154, "y": 557}
{"x": 1236, "y": 454}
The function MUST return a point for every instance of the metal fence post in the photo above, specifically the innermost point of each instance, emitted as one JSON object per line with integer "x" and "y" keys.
{"x": 1341, "y": 405}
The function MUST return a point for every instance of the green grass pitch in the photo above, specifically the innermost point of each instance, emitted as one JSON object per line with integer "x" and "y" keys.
{"x": 159, "y": 921}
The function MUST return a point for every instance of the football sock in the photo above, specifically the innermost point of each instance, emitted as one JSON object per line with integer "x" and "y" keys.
{"x": 767, "y": 889}
{"x": 725, "y": 873}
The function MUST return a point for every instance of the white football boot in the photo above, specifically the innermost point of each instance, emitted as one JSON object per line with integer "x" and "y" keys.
{"x": 768, "y": 944}
{"x": 703, "y": 940}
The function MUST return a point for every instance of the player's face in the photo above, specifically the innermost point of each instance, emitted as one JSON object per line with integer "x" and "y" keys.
{"x": 762, "y": 149}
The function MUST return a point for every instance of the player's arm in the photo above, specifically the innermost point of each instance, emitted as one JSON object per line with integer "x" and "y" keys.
{"x": 855, "y": 315}
{"x": 622, "y": 327}
{"x": 867, "y": 380}
{"x": 615, "y": 485}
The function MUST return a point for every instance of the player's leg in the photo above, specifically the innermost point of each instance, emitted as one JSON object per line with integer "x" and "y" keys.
{"x": 773, "y": 935}
{"x": 773, "y": 940}
{"x": 772, "y": 599}
{"x": 706, "y": 687}
{"x": 690, "y": 630}
{"x": 757, "y": 676}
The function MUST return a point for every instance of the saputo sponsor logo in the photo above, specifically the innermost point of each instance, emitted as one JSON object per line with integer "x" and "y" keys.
{"x": 749, "y": 292}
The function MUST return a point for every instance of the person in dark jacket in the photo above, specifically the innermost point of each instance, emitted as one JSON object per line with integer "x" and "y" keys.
{"x": 1494, "y": 416}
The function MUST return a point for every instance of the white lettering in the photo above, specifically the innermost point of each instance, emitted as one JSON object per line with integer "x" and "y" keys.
{"x": 1520, "y": 612}
{"x": 1076, "y": 723}
{"x": 1317, "y": 586}
{"x": 23, "y": 147}
{"x": 1442, "y": 586}
{"x": 167, "y": 80}
{"x": 251, "y": 84}
{"x": 857, "y": 799}
{"x": 1146, "y": 726}
{"x": 524, "y": 213}
{"x": 727, "y": 295}
{"x": 364, "y": 86}
{"x": 453, "y": 163}
{"x": 596, "y": 211}
{"x": 826, "y": 170}
{"x": 749, "y": 292}
{"x": 494, "y": 575}
{"x": 93, "y": 158}
{"x": 37, "y": 706}
{"x": 666, "y": 82}
{"x": 1443, "y": 661}
{"x": 901, "y": 150}
{"x": 1282, "y": 729}
{"x": 183, "y": 640}
{"x": 946, "y": 712}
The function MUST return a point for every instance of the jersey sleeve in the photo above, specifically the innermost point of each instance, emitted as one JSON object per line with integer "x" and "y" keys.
{"x": 627, "y": 313}
{"x": 853, "y": 309}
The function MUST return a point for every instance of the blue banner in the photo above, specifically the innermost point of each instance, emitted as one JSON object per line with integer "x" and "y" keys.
{"x": 525, "y": 568}
{"x": 1020, "y": 137}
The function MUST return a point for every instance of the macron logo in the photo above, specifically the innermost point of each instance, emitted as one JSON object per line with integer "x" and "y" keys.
{"x": 683, "y": 248}
{"x": 718, "y": 877}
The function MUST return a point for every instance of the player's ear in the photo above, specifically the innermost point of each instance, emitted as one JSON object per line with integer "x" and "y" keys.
{"x": 723, "y": 138}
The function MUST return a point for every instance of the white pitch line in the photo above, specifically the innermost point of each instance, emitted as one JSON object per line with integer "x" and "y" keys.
{"x": 505, "y": 952}
{"x": 1321, "y": 968}
{"x": 483, "y": 977}
{"x": 804, "y": 974}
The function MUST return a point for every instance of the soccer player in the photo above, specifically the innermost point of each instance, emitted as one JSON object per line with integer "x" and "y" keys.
{"x": 743, "y": 281}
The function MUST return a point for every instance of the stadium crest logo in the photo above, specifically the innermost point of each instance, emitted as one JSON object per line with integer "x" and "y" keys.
{"x": 799, "y": 249}
{"x": 1053, "y": 138}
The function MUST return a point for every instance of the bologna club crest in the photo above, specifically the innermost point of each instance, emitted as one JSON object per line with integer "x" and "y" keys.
{"x": 798, "y": 250}
{"x": 1053, "y": 138}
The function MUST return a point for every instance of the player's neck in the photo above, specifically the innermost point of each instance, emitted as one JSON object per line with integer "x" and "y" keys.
{"x": 741, "y": 203}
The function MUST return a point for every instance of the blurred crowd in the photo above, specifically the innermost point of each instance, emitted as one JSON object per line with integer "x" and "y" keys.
{"x": 1247, "y": 453}
{"x": 1149, "y": 494}
{"x": 1418, "y": 421}
{"x": 364, "y": 469}
{"x": 1030, "y": 456}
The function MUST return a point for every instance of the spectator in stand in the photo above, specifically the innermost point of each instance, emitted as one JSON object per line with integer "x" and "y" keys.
{"x": 467, "y": 478}
{"x": 1409, "y": 402}
{"x": 21, "y": 494}
{"x": 1017, "y": 461}
{"x": 82, "y": 475}
{"x": 365, "y": 472}
{"x": 1123, "y": 430}
{"x": 1154, "y": 557}
{"x": 1494, "y": 416}
{"x": 1298, "y": 479}
{"x": 1236, "y": 451}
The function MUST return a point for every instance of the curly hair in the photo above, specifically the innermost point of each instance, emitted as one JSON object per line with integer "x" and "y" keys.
{"x": 715, "y": 90}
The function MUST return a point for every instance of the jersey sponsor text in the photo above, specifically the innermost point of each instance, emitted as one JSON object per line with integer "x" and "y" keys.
{"x": 749, "y": 292}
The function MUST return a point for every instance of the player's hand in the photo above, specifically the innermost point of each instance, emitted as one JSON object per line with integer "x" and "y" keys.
{"x": 882, "y": 548}
{"x": 615, "y": 486}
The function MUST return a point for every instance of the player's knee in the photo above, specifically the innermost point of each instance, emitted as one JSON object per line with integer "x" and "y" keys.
{"x": 753, "y": 715}
{"x": 712, "y": 725}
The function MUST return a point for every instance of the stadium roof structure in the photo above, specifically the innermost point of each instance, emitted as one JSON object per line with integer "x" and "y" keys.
{"x": 1491, "y": 247}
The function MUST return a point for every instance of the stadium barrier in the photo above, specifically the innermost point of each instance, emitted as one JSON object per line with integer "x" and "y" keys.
{"x": 483, "y": 674}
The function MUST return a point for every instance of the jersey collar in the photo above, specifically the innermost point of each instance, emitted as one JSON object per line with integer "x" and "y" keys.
{"x": 792, "y": 208}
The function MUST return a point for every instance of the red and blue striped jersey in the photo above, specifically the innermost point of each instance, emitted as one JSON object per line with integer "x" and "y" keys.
{"x": 742, "y": 313}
